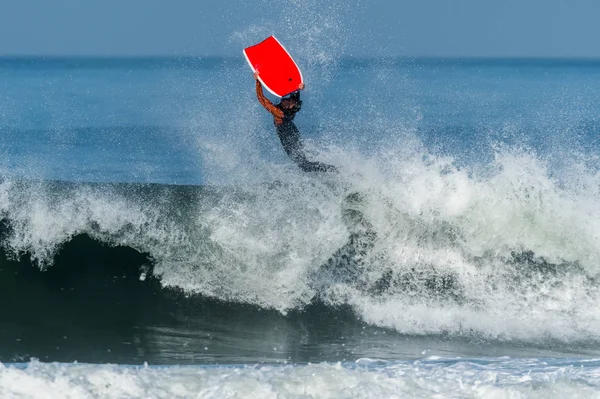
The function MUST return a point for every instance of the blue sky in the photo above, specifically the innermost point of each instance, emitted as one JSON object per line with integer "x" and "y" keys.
{"x": 521, "y": 28}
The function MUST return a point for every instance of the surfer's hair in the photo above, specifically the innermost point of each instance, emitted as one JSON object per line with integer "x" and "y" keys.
{"x": 297, "y": 103}
{"x": 295, "y": 97}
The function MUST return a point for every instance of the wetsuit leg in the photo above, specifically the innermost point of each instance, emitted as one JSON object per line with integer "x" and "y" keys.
{"x": 292, "y": 144}
{"x": 309, "y": 166}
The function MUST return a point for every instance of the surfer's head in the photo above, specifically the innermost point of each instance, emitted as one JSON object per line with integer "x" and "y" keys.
{"x": 291, "y": 103}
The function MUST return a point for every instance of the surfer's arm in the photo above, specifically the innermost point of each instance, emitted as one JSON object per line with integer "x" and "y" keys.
{"x": 276, "y": 112}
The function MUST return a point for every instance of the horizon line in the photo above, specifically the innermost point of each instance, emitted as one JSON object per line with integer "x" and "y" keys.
{"x": 348, "y": 57}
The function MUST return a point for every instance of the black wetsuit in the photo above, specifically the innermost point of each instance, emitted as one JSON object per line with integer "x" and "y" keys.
{"x": 288, "y": 132}
{"x": 292, "y": 142}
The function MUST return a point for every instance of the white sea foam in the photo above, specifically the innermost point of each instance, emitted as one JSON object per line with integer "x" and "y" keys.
{"x": 450, "y": 378}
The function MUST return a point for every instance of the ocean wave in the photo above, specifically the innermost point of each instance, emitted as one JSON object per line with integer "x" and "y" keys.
{"x": 507, "y": 251}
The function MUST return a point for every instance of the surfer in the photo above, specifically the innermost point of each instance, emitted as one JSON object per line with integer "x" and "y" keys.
{"x": 283, "y": 115}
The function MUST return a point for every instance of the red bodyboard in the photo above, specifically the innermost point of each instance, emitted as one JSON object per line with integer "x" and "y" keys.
{"x": 277, "y": 70}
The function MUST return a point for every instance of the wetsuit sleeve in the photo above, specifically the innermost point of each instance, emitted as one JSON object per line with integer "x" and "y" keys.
{"x": 276, "y": 112}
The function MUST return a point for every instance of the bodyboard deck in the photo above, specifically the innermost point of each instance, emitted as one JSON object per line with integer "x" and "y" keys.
{"x": 277, "y": 70}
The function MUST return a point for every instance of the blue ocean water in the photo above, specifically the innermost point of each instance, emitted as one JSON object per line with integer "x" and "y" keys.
{"x": 149, "y": 214}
